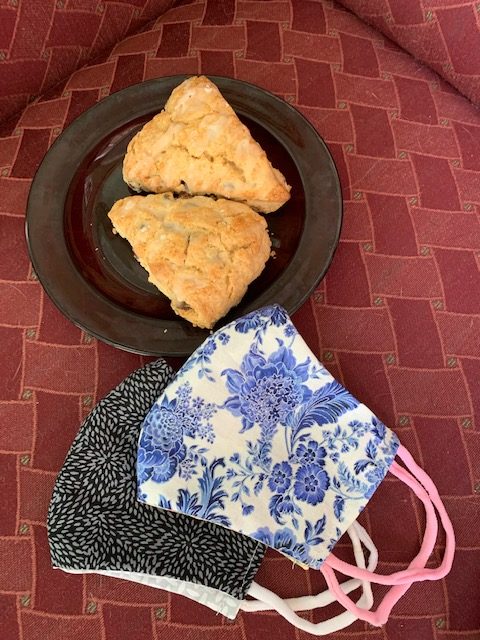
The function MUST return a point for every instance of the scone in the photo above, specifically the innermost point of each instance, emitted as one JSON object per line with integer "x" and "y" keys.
{"x": 197, "y": 145}
{"x": 201, "y": 253}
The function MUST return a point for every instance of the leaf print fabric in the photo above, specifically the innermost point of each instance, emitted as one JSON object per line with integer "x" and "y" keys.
{"x": 95, "y": 522}
{"x": 254, "y": 434}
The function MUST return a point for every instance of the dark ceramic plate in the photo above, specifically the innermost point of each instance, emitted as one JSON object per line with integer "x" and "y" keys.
{"x": 92, "y": 275}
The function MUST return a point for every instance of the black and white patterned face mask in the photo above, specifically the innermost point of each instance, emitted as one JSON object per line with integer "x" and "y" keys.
{"x": 95, "y": 522}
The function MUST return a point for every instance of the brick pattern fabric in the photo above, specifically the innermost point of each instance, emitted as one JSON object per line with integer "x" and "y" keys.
{"x": 397, "y": 318}
{"x": 42, "y": 43}
{"x": 443, "y": 34}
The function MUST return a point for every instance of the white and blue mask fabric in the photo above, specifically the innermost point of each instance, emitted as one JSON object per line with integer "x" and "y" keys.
{"x": 95, "y": 522}
{"x": 254, "y": 434}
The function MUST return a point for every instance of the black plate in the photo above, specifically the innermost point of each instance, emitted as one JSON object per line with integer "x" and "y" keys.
{"x": 92, "y": 275}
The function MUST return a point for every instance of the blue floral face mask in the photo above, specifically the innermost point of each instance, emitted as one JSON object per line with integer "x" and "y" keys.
{"x": 255, "y": 435}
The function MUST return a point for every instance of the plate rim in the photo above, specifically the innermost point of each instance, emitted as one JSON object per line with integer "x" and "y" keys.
{"x": 43, "y": 168}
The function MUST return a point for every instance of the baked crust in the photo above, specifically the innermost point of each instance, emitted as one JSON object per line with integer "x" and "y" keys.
{"x": 200, "y": 252}
{"x": 197, "y": 145}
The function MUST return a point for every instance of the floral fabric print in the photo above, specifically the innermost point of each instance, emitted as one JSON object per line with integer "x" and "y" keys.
{"x": 95, "y": 522}
{"x": 254, "y": 434}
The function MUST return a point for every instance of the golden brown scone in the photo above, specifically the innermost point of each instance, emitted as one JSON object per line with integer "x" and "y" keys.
{"x": 201, "y": 253}
{"x": 197, "y": 145}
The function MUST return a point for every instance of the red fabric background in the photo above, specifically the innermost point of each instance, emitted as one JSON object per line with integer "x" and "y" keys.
{"x": 41, "y": 43}
{"x": 444, "y": 34}
{"x": 397, "y": 318}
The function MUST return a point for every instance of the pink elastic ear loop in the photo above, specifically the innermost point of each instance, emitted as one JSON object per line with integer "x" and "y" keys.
{"x": 416, "y": 570}
{"x": 268, "y": 600}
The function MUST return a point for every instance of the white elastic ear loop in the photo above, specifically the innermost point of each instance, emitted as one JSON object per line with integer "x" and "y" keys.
{"x": 305, "y": 603}
{"x": 268, "y": 600}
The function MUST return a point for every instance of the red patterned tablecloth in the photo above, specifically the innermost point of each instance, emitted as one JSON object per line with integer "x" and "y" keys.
{"x": 397, "y": 318}
{"x": 444, "y": 34}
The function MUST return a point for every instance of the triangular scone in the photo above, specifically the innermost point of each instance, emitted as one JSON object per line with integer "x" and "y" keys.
{"x": 201, "y": 253}
{"x": 197, "y": 145}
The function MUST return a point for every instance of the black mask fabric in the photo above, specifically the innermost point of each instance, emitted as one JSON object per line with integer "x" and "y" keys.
{"x": 96, "y": 523}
